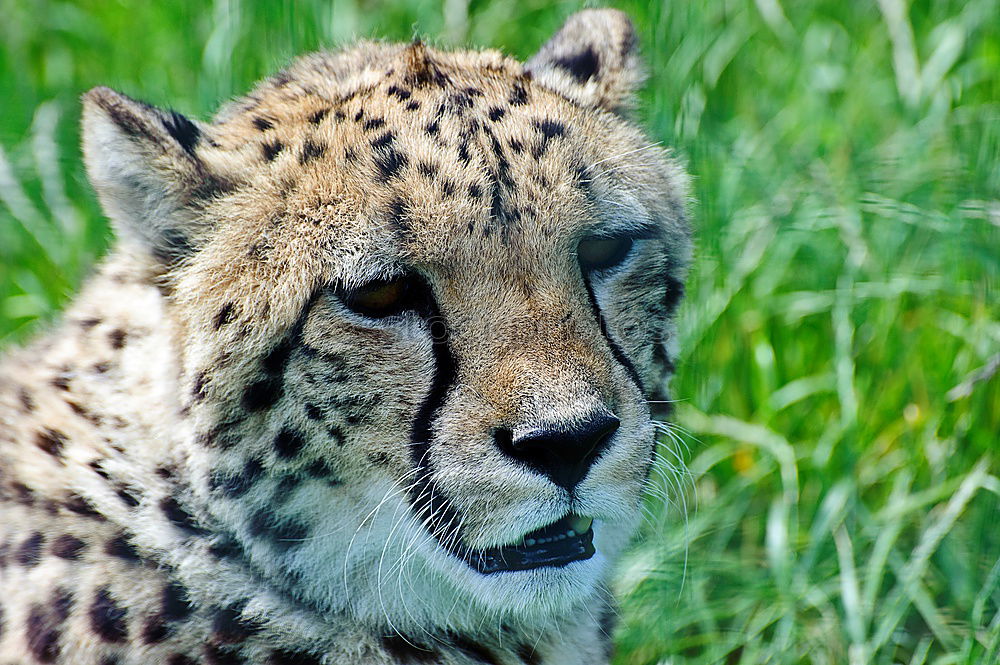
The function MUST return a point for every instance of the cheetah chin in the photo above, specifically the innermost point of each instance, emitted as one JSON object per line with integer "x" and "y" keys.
{"x": 365, "y": 376}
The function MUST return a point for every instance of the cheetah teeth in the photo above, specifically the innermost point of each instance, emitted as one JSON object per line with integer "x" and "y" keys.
{"x": 575, "y": 525}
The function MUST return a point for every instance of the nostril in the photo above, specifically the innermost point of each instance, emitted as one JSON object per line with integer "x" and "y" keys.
{"x": 504, "y": 438}
{"x": 562, "y": 451}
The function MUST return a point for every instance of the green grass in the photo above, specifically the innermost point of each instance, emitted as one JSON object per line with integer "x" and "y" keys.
{"x": 839, "y": 401}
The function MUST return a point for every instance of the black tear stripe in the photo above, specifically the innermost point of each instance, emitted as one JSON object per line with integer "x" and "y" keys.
{"x": 616, "y": 350}
{"x": 429, "y": 505}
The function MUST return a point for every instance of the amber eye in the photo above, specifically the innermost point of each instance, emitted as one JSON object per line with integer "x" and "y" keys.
{"x": 383, "y": 297}
{"x": 596, "y": 254}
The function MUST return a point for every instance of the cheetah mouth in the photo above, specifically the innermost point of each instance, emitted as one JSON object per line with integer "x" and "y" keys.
{"x": 558, "y": 544}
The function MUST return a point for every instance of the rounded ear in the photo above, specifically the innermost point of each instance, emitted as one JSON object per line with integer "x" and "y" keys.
{"x": 143, "y": 164}
{"x": 593, "y": 60}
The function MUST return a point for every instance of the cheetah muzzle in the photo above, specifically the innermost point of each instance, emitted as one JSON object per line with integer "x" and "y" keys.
{"x": 364, "y": 378}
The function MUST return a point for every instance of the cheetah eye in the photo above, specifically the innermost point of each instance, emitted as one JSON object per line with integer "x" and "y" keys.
{"x": 596, "y": 254}
{"x": 384, "y": 297}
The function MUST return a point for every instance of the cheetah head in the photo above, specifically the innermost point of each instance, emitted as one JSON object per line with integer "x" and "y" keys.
{"x": 419, "y": 300}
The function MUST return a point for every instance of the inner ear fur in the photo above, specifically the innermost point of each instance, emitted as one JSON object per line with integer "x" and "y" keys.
{"x": 143, "y": 164}
{"x": 593, "y": 59}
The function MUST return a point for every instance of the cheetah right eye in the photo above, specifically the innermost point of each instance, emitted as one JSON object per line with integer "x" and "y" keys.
{"x": 382, "y": 298}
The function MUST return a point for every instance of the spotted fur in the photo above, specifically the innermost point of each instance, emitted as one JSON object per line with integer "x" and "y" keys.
{"x": 213, "y": 459}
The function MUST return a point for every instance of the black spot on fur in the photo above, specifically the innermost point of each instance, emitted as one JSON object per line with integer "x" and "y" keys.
{"x": 262, "y": 123}
{"x": 120, "y": 547}
{"x": 170, "y": 245}
{"x": 317, "y": 116}
{"x": 277, "y": 358}
{"x": 179, "y": 517}
{"x": 476, "y": 651}
{"x": 68, "y": 547}
{"x": 397, "y": 216}
{"x": 582, "y": 66}
{"x": 126, "y": 497}
{"x": 412, "y": 105}
{"x": 432, "y": 128}
{"x": 155, "y": 630}
{"x": 516, "y": 146}
{"x": 320, "y": 469}
{"x": 407, "y": 650}
{"x": 61, "y": 381}
{"x": 235, "y": 486}
{"x": 230, "y": 627}
{"x": 174, "y": 603}
{"x": 336, "y": 435}
{"x": 51, "y": 441}
{"x": 373, "y": 124}
{"x": 97, "y": 466}
{"x": 117, "y": 338}
{"x": 43, "y": 635}
{"x": 219, "y": 655}
{"x": 23, "y": 494}
{"x": 89, "y": 323}
{"x": 285, "y": 657}
{"x": 518, "y": 95}
{"x": 77, "y": 504}
{"x": 550, "y": 128}
{"x": 389, "y": 163}
{"x": 27, "y": 403}
{"x": 198, "y": 388}
{"x": 475, "y": 191}
{"x": 78, "y": 409}
{"x": 29, "y": 553}
{"x": 224, "y": 316}
{"x": 400, "y": 93}
{"x": 463, "y": 152}
{"x": 497, "y": 112}
{"x": 62, "y": 604}
{"x": 271, "y": 150}
{"x": 283, "y": 534}
{"x": 447, "y": 187}
{"x": 179, "y": 659}
{"x": 527, "y": 653}
{"x": 459, "y": 101}
{"x": 427, "y": 169}
{"x": 107, "y": 618}
{"x": 226, "y": 548}
{"x": 311, "y": 150}
{"x": 313, "y": 412}
{"x": 263, "y": 394}
{"x": 110, "y": 660}
{"x": 384, "y": 140}
{"x": 288, "y": 443}
{"x": 185, "y": 132}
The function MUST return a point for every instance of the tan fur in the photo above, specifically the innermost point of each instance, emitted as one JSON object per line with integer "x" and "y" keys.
{"x": 211, "y": 459}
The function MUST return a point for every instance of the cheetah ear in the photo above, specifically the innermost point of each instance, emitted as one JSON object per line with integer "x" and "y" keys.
{"x": 593, "y": 59}
{"x": 142, "y": 163}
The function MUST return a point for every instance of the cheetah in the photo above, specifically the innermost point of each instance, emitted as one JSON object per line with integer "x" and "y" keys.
{"x": 364, "y": 378}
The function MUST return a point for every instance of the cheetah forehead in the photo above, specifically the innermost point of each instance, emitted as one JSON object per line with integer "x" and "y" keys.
{"x": 416, "y": 151}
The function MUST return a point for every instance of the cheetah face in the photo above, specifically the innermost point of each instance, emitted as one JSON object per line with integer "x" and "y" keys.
{"x": 420, "y": 301}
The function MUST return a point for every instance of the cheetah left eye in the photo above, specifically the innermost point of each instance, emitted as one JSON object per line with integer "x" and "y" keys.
{"x": 384, "y": 297}
{"x": 596, "y": 254}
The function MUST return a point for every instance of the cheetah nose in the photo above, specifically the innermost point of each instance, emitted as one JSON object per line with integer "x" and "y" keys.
{"x": 563, "y": 452}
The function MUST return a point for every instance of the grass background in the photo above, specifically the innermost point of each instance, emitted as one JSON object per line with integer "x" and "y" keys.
{"x": 839, "y": 401}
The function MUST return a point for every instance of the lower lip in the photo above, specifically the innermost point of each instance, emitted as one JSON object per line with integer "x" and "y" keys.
{"x": 552, "y": 554}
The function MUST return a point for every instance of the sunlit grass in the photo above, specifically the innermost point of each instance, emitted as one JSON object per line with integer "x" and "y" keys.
{"x": 838, "y": 389}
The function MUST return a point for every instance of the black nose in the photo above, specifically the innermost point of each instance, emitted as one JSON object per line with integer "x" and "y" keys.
{"x": 563, "y": 453}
